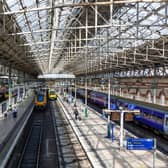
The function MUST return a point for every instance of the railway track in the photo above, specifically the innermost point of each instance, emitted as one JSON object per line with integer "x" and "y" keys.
{"x": 31, "y": 151}
{"x": 49, "y": 142}
{"x": 40, "y": 149}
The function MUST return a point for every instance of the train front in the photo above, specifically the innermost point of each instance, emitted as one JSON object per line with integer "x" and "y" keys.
{"x": 40, "y": 100}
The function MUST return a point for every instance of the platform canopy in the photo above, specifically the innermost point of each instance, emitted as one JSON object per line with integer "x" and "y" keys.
{"x": 83, "y": 36}
{"x": 56, "y": 76}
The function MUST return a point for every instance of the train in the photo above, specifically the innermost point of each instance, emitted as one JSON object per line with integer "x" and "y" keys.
{"x": 40, "y": 100}
{"x": 52, "y": 95}
{"x": 152, "y": 116}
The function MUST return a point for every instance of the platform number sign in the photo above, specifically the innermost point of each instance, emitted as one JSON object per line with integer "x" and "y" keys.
{"x": 143, "y": 144}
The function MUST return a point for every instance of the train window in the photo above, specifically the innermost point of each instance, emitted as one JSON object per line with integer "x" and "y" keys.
{"x": 52, "y": 92}
{"x": 143, "y": 114}
{"x": 166, "y": 122}
{"x": 154, "y": 118}
{"x": 159, "y": 120}
{"x": 147, "y": 115}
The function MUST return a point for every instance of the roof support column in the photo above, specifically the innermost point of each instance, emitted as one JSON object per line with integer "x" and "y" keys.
{"x": 71, "y": 51}
{"x": 154, "y": 88}
{"x": 4, "y": 19}
{"x": 163, "y": 48}
{"x": 137, "y": 21}
{"x": 54, "y": 33}
{"x": 96, "y": 19}
{"x": 75, "y": 44}
{"x": 10, "y": 88}
{"x": 107, "y": 47}
{"x": 111, "y": 12}
{"x": 86, "y": 55}
{"x": 166, "y": 11}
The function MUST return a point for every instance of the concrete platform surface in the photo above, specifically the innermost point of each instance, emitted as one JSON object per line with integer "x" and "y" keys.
{"x": 7, "y": 124}
{"x": 102, "y": 152}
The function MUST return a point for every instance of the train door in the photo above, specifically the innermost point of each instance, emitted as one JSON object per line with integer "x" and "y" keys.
{"x": 166, "y": 124}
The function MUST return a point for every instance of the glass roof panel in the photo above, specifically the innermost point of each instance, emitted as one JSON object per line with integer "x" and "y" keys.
{"x": 130, "y": 29}
{"x": 33, "y": 21}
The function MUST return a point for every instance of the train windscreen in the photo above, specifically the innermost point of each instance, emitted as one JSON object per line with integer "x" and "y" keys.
{"x": 52, "y": 92}
{"x": 40, "y": 98}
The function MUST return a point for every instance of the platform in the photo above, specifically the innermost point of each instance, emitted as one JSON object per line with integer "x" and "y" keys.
{"x": 102, "y": 151}
{"x": 10, "y": 128}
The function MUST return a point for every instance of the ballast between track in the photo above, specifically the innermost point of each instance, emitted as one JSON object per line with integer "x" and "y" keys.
{"x": 49, "y": 132}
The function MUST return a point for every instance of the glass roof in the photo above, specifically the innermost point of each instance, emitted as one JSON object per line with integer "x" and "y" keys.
{"x": 32, "y": 22}
{"x": 57, "y": 36}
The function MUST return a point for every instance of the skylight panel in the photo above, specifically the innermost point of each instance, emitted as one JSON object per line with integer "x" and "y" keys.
{"x": 28, "y": 3}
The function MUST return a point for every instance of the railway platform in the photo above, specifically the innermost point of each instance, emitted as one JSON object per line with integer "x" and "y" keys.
{"x": 102, "y": 152}
{"x": 11, "y": 128}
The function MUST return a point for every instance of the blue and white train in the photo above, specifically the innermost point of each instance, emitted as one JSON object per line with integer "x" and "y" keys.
{"x": 155, "y": 118}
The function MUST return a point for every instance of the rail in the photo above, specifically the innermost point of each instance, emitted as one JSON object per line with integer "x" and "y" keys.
{"x": 31, "y": 151}
{"x": 57, "y": 140}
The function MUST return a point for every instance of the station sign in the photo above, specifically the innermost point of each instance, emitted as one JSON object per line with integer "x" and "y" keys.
{"x": 140, "y": 144}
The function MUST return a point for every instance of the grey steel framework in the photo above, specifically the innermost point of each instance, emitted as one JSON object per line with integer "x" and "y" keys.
{"x": 117, "y": 37}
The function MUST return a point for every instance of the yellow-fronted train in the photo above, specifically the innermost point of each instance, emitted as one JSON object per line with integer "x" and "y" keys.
{"x": 52, "y": 95}
{"x": 40, "y": 100}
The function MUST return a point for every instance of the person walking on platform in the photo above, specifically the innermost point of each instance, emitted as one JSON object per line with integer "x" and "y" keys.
{"x": 64, "y": 96}
{"x": 70, "y": 98}
{"x": 5, "y": 114}
{"x": 76, "y": 111}
{"x": 15, "y": 112}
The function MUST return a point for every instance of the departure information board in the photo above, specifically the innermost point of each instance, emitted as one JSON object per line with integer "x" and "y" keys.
{"x": 140, "y": 144}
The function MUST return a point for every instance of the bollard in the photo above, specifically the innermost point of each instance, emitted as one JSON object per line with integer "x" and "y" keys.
{"x": 86, "y": 112}
{"x": 108, "y": 130}
{"x": 108, "y": 127}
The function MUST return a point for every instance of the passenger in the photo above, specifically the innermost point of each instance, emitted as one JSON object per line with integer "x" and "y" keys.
{"x": 76, "y": 111}
{"x": 64, "y": 96}
{"x": 67, "y": 98}
{"x": 70, "y": 99}
{"x": 15, "y": 112}
{"x": 5, "y": 114}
